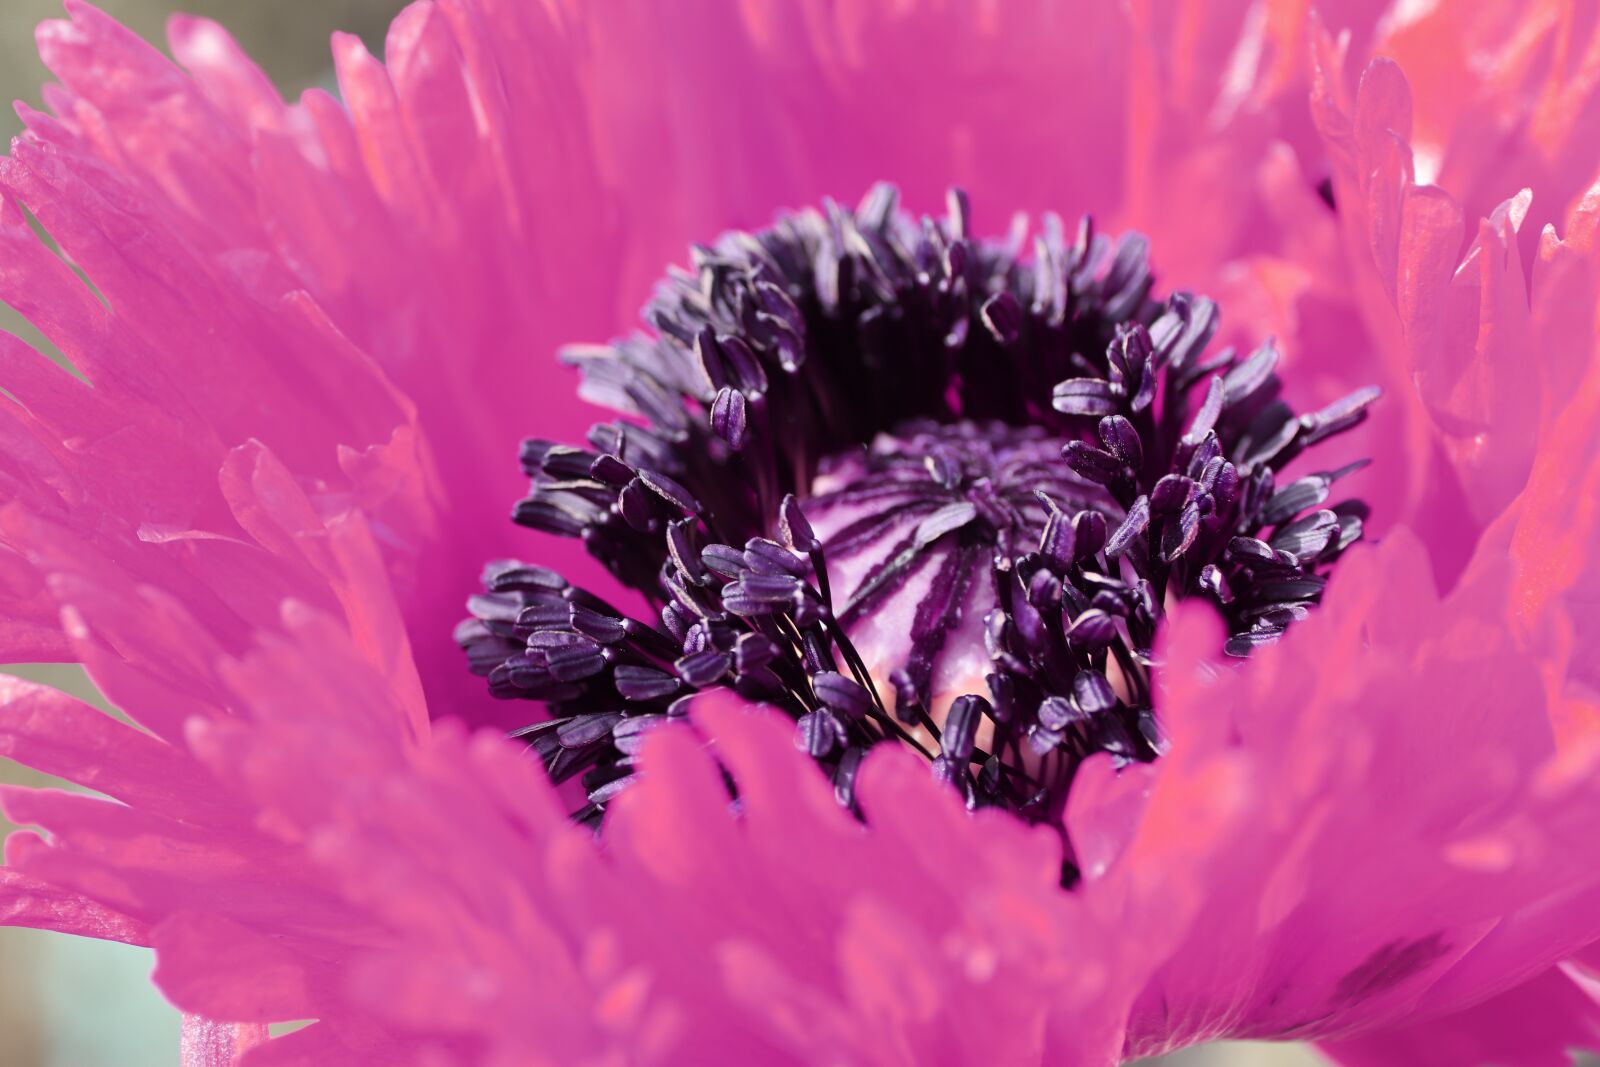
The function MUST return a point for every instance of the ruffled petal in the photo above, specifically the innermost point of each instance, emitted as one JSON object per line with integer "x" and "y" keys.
{"x": 51, "y": 732}
{"x": 509, "y": 137}
{"x": 1502, "y": 90}
{"x": 1454, "y": 302}
{"x": 237, "y": 523}
{"x": 214, "y": 965}
{"x": 1417, "y": 838}
{"x": 1536, "y": 1024}
{"x": 43, "y": 906}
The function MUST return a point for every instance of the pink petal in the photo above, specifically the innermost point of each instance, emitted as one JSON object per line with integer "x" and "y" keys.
{"x": 258, "y": 522}
{"x": 1536, "y": 1024}
{"x": 47, "y": 907}
{"x": 51, "y": 732}
{"x": 224, "y": 970}
{"x": 1395, "y": 858}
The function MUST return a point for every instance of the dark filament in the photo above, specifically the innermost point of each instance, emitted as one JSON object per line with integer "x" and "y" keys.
{"x": 971, "y": 433}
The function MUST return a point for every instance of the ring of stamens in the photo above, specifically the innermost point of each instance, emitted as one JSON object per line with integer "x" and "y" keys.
{"x": 908, "y": 485}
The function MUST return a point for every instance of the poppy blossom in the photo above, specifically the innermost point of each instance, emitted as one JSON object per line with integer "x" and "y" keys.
{"x": 960, "y": 644}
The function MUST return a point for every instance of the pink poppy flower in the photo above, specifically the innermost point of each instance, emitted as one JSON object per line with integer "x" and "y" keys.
{"x": 315, "y": 333}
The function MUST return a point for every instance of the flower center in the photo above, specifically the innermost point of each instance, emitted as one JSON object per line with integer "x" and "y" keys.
{"x": 910, "y": 486}
{"x": 920, "y": 531}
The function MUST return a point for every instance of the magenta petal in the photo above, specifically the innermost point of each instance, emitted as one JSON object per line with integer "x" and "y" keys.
{"x": 221, "y": 969}
{"x": 1535, "y": 1024}
{"x": 1458, "y": 843}
{"x": 325, "y": 325}
{"x": 45, "y": 906}
{"x": 51, "y": 732}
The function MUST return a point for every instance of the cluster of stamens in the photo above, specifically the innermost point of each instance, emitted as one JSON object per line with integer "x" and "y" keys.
{"x": 910, "y": 486}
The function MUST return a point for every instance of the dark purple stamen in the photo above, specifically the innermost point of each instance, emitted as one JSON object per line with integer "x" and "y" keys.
{"x": 855, "y": 417}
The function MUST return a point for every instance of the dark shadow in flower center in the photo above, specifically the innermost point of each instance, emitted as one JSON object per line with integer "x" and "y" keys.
{"x": 910, "y": 485}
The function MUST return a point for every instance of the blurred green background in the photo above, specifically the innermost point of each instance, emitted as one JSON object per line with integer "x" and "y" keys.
{"x": 68, "y": 1002}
